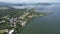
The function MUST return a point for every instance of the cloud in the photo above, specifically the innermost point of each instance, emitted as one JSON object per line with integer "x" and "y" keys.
{"x": 31, "y": 1}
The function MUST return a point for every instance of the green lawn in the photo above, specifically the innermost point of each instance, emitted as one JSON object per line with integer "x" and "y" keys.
{"x": 2, "y": 31}
{"x": 24, "y": 15}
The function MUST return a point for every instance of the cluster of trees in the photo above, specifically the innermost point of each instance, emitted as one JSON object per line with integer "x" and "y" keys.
{"x": 5, "y": 25}
{"x": 18, "y": 28}
{"x": 11, "y": 12}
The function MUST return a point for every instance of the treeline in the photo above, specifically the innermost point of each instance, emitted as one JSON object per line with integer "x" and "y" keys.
{"x": 11, "y": 12}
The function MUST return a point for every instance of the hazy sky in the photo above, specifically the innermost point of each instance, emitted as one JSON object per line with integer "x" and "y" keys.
{"x": 31, "y": 1}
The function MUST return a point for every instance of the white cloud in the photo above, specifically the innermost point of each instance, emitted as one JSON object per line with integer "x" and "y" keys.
{"x": 30, "y": 1}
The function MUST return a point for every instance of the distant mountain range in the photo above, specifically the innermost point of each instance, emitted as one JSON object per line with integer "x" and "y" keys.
{"x": 21, "y": 4}
{"x": 10, "y": 4}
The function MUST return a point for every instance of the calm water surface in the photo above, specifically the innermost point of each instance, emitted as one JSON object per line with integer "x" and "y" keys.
{"x": 45, "y": 25}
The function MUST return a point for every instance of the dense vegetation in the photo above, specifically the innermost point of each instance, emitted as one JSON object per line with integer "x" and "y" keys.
{"x": 10, "y": 15}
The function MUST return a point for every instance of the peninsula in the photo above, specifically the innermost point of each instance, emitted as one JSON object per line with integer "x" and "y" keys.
{"x": 12, "y": 21}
